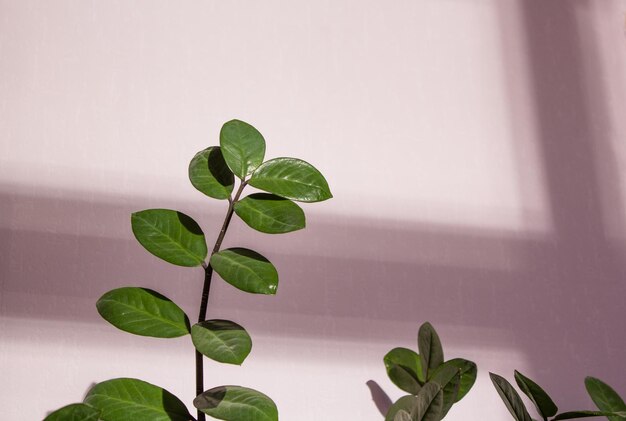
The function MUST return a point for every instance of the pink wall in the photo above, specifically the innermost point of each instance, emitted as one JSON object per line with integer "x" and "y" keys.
{"x": 475, "y": 149}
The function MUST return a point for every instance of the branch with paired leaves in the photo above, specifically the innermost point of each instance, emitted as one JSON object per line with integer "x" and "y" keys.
{"x": 609, "y": 403}
{"x": 179, "y": 240}
{"x": 434, "y": 385}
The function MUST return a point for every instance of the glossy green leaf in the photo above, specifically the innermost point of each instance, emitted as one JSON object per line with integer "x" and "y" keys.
{"x": 243, "y": 147}
{"x": 209, "y": 173}
{"x": 405, "y": 403}
{"x": 401, "y": 378}
{"x": 510, "y": 398}
{"x": 450, "y": 394}
{"x": 619, "y": 415}
{"x": 429, "y": 403}
{"x": 222, "y": 340}
{"x": 247, "y": 270}
{"x": 402, "y": 415}
{"x": 270, "y": 214}
{"x": 448, "y": 377}
{"x": 605, "y": 398}
{"x": 127, "y": 399}
{"x": 143, "y": 312}
{"x": 236, "y": 403}
{"x": 75, "y": 412}
{"x": 544, "y": 404}
{"x": 404, "y": 369}
{"x": 291, "y": 178}
{"x": 170, "y": 235}
{"x": 429, "y": 345}
{"x": 468, "y": 373}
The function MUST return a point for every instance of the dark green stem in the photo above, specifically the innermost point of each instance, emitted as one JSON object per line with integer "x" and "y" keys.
{"x": 208, "y": 274}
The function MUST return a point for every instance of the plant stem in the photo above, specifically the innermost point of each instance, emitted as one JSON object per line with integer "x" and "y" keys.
{"x": 208, "y": 274}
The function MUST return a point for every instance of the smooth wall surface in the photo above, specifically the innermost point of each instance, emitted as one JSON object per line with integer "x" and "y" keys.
{"x": 475, "y": 149}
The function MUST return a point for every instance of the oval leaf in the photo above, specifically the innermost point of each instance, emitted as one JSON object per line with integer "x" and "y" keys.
{"x": 605, "y": 398}
{"x": 243, "y": 147}
{"x": 510, "y": 398}
{"x": 247, "y": 270}
{"x": 291, "y": 178}
{"x": 209, "y": 173}
{"x": 270, "y": 214}
{"x": 431, "y": 352}
{"x": 170, "y": 235}
{"x": 143, "y": 312}
{"x": 448, "y": 377}
{"x": 620, "y": 415}
{"x": 429, "y": 403}
{"x": 75, "y": 412}
{"x": 131, "y": 399}
{"x": 405, "y": 403}
{"x": 468, "y": 371}
{"x": 544, "y": 404}
{"x": 222, "y": 340}
{"x": 404, "y": 369}
{"x": 236, "y": 403}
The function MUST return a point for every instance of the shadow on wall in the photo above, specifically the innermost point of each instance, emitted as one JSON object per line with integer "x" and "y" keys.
{"x": 561, "y": 296}
{"x": 339, "y": 278}
{"x": 578, "y": 279}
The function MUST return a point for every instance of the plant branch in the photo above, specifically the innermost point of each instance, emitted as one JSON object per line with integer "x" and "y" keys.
{"x": 208, "y": 274}
{"x": 208, "y": 269}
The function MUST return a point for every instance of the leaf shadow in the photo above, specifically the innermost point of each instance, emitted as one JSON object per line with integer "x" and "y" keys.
{"x": 211, "y": 398}
{"x": 218, "y": 167}
{"x": 174, "y": 407}
{"x": 191, "y": 225}
{"x": 380, "y": 398}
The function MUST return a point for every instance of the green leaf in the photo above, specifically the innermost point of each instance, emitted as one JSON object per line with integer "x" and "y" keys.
{"x": 544, "y": 404}
{"x": 270, "y": 214}
{"x": 243, "y": 147}
{"x": 450, "y": 394}
{"x": 510, "y": 398}
{"x": 236, "y": 403}
{"x": 75, "y": 412}
{"x": 222, "y": 340}
{"x": 468, "y": 372}
{"x": 143, "y": 312}
{"x": 209, "y": 173}
{"x": 426, "y": 406}
{"x": 405, "y": 403}
{"x": 605, "y": 398}
{"x": 170, "y": 235}
{"x": 247, "y": 270}
{"x": 448, "y": 377}
{"x": 429, "y": 403}
{"x": 404, "y": 369}
{"x": 402, "y": 415}
{"x": 619, "y": 415}
{"x": 431, "y": 352}
{"x": 291, "y": 178}
{"x": 131, "y": 399}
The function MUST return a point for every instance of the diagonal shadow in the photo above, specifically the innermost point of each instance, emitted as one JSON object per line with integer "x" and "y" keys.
{"x": 577, "y": 281}
{"x": 561, "y": 296}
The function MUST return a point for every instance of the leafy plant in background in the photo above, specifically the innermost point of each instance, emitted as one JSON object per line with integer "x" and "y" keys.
{"x": 609, "y": 403}
{"x": 433, "y": 385}
{"x": 178, "y": 239}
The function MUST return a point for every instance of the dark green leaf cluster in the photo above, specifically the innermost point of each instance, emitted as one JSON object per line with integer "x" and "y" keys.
{"x": 434, "y": 384}
{"x": 178, "y": 239}
{"x": 609, "y": 403}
